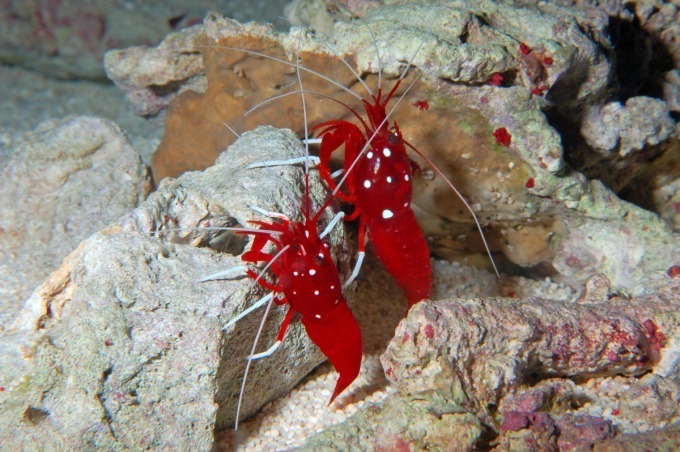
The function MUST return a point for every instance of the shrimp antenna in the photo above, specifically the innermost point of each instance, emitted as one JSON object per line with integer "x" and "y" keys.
{"x": 314, "y": 93}
{"x": 307, "y": 206}
{"x": 257, "y": 339}
{"x": 217, "y": 228}
{"x": 377, "y": 54}
{"x": 460, "y": 196}
{"x": 287, "y": 63}
{"x": 349, "y": 66}
{"x": 231, "y": 130}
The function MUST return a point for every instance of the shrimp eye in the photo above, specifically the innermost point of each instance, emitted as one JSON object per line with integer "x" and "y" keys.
{"x": 393, "y": 139}
{"x": 320, "y": 259}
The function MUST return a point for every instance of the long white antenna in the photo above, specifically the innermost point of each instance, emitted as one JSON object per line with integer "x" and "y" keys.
{"x": 257, "y": 338}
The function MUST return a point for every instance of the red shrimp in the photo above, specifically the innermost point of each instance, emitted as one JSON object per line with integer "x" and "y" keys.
{"x": 380, "y": 189}
{"x": 379, "y": 186}
{"x": 308, "y": 280}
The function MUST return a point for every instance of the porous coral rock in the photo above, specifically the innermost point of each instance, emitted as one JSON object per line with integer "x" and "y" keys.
{"x": 417, "y": 422}
{"x": 457, "y": 49}
{"x": 122, "y": 347}
{"x": 564, "y": 365}
{"x": 642, "y": 122}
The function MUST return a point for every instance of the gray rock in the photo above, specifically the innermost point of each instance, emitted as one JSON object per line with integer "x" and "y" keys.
{"x": 60, "y": 182}
{"x": 121, "y": 347}
{"x": 423, "y": 421}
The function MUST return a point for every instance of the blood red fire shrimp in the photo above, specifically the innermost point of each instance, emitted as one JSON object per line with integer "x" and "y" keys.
{"x": 305, "y": 279}
{"x": 379, "y": 186}
{"x": 308, "y": 281}
{"x": 380, "y": 189}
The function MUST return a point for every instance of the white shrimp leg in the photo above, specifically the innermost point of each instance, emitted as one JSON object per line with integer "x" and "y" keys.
{"x": 337, "y": 173}
{"x": 265, "y": 353}
{"x": 267, "y": 213}
{"x": 312, "y": 141}
{"x": 238, "y": 271}
{"x": 258, "y": 304}
{"x": 355, "y": 272}
{"x": 338, "y": 216}
{"x": 314, "y": 159}
{"x": 360, "y": 257}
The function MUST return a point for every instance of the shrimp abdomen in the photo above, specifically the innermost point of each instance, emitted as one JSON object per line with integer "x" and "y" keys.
{"x": 401, "y": 247}
{"x": 339, "y": 338}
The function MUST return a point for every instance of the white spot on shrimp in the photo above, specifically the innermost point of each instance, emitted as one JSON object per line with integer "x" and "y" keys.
{"x": 332, "y": 287}
{"x": 387, "y": 214}
{"x": 367, "y": 183}
{"x": 317, "y": 316}
{"x": 405, "y": 204}
{"x": 369, "y": 155}
{"x": 387, "y": 152}
{"x": 406, "y": 178}
{"x": 316, "y": 292}
{"x": 389, "y": 179}
{"x": 312, "y": 272}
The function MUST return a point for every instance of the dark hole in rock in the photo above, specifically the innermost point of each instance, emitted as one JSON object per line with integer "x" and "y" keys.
{"x": 641, "y": 58}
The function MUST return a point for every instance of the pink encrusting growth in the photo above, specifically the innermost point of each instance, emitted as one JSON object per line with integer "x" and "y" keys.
{"x": 422, "y": 105}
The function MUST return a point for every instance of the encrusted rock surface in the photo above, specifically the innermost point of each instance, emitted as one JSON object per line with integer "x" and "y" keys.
{"x": 60, "y": 183}
{"x": 121, "y": 347}
{"x": 570, "y": 374}
{"x": 541, "y": 214}
{"x": 424, "y": 421}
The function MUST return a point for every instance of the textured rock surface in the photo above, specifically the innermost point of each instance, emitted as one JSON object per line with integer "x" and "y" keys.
{"x": 67, "y": 39}
{"x": 424, "y": 421}
{"x": 567, "y": 222}
{"x": 643, "y": 121}
{"x": 60, "y": 183}
{"x": 565, "y": 374}
{"x": 121, "y": 347}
